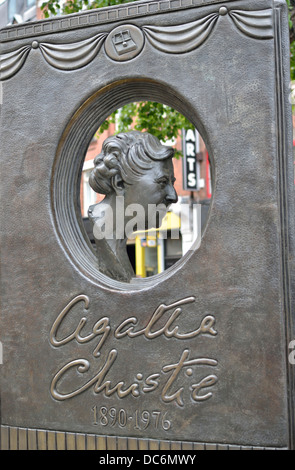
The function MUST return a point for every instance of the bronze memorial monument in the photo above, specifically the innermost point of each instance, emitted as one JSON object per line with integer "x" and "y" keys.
{"x": 199, "y": 356}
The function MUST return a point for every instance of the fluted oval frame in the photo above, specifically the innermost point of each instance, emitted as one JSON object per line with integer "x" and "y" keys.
{"x": 67, "y": 170}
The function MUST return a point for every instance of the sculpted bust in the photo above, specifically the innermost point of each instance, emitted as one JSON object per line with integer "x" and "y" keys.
{"x": 135, "y": 173}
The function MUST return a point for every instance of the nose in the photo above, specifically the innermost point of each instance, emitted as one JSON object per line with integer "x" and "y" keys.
{"x": 171, "y": 196}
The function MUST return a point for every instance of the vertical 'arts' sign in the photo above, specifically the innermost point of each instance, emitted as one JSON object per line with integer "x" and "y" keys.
{"x": 190, "y": 165}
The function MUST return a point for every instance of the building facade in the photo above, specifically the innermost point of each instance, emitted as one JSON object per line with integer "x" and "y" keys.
{"x": 17, "y": 11}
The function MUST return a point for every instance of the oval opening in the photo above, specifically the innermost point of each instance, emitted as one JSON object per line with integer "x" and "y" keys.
{"x": 68, "y": 169}
{"x": 150, "y": 249}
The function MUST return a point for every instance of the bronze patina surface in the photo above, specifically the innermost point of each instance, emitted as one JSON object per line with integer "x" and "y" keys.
{"x": 196, "y": 357}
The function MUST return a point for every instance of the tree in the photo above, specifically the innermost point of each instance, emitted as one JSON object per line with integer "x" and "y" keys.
{"x": 53, "y": 7}
{"x": 160, "y": 120}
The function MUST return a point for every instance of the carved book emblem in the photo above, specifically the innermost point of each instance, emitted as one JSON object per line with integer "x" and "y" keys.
{"x": 123, "y": 42}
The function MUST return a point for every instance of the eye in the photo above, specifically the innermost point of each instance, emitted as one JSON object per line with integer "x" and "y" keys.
{"x": 162, "y": 182}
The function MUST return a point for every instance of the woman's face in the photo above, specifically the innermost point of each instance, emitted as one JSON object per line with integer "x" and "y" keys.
{"x": 153, "y": 192}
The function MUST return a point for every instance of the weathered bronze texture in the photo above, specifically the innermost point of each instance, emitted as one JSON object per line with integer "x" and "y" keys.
{"x": 195, "y": 356}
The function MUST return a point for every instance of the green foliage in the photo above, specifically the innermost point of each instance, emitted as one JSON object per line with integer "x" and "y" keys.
{"x": 160, "y": 120}
{"x": 53, "y": 7}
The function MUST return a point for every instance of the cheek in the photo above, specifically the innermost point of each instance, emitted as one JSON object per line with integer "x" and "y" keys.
{"x": 148, "y": 191}
{"x": 145, "y": 193}
{"x": 156, "y": 195}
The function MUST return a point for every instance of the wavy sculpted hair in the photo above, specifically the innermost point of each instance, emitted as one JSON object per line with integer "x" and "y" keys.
{"x": 128, "y": 154}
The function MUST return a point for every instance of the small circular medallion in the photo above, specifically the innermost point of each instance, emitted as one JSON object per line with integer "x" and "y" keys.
{"x": 124, "y": 42}
{"x": 35, "y": 44}
{"x": 223, "y": 11}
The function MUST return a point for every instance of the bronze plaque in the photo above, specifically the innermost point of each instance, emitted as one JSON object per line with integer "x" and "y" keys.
{"x": 195, "y": 357}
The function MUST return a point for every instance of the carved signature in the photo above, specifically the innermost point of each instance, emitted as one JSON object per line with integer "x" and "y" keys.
{"x": 128, "y": 328}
